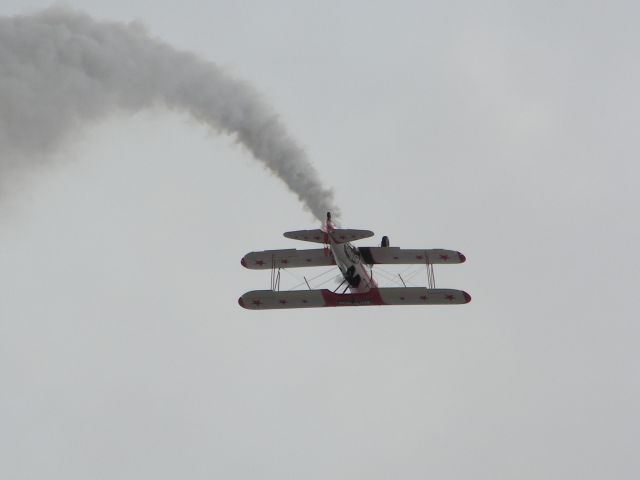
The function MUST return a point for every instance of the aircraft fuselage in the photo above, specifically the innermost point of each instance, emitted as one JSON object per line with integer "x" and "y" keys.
{"x": 349, "y": 262}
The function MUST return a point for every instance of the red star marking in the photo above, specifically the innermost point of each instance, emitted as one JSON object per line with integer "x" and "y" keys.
{"x": 444, "y": 257}
{"x": 342, "y": 237}
{"x": 317, "y": 238}
{"x": 402, "y": 298}
{"x": 449, "y": 297}
{"x": 285, "y": 261}
{"x": 420, "y": 257}
{"x": 283, "y": 301}
{"x": 259, "y": 262}
{"x": 423, "y": 297}
{"x": 257, "y": 302}
{"x": 304, "y": 301}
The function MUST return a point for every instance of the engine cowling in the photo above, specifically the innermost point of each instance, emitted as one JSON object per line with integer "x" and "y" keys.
{"x": 385, "y": 241}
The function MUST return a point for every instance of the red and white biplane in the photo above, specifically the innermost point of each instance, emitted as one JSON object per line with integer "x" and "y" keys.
{"x": 352, "y": 262}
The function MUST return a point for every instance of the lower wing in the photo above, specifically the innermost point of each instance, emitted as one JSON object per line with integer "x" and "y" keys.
{"x": 269, "y": 300}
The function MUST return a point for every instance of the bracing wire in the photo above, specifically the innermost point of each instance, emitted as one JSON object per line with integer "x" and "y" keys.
{"x": 312, "y": 279}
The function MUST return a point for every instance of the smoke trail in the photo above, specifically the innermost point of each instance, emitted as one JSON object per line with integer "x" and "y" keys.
{"x": 60, "y": 68}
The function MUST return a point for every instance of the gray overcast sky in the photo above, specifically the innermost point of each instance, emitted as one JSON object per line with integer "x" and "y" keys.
{"x": 506, "y": 130}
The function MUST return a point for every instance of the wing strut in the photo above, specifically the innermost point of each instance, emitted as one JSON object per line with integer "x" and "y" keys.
{"x": 275, "y": 275}
{"x": 431, "y": 276}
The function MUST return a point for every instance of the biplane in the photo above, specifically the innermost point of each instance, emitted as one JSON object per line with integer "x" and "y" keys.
{"x": 356, "y": 268}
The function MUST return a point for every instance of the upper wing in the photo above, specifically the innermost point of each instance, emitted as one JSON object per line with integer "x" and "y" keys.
{"x": 268, "y": 299}
{"x": 289, "y": 258}
{"x": 397, "y": 255}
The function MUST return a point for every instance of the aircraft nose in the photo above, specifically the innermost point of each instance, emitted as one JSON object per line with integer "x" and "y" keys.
{"x": 462, "y": 257}
{"x": 243, "y": 262}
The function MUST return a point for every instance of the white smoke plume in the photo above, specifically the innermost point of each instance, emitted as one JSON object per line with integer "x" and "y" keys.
{"x": 60, "y": 69}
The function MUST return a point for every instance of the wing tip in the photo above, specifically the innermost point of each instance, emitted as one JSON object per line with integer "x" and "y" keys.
{"x": 241, "y": 303}
{"x": 467, "y": 297}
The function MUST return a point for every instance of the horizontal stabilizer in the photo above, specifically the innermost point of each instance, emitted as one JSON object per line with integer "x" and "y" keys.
{"x": 339, "y": 235}
{"x": 269, "y": 299}
{"x": 289, "y": 258}
{"x": 404, "y": 256}
{"x": 317, "y": 235}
